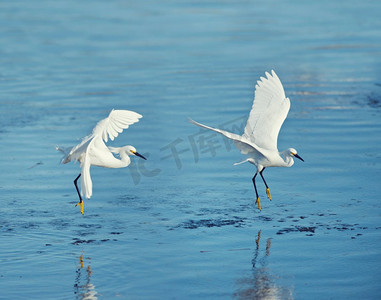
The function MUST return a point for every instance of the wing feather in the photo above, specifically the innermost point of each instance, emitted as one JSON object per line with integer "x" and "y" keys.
{"x": 115, "y": 123}
{"x": 116, "y": 127}
{"x": 110, "y": 127}
{"x": 244, "y": 145}
{"x": 111, "y": 131}
{"x": 269, "y": 110}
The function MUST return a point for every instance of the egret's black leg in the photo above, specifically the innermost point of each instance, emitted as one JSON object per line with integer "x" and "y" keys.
{"x": 76, "y": 187}
{"x": 79, "y": 194}
{"x": 255, "y": 188}
{"x": 256, "y": 192}
{"x": 267, "y": 187}
{"x": 262, "y": 177}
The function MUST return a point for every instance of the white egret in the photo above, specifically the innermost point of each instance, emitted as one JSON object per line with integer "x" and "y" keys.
{"x": 259, "y": 140}
{"x": 92, "y": 151}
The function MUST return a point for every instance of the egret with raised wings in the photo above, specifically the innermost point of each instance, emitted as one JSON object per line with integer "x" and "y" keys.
{"x": 259, "y": 140}
{"x": 92, "y": 151}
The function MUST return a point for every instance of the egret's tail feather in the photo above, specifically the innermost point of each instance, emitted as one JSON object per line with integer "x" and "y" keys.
{"x": 241, "y": 162}
{"x": 66, "y": 151}
{"x": 60, "y": 149}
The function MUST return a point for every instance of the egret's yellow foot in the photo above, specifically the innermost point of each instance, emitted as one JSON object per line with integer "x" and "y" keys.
{"x": 81, "y": 260}
{"x": 268, "y": 193}
{"x": 259, "y": 203}
{"x": 258, "y": 239}
{"x": 81, "y": 206}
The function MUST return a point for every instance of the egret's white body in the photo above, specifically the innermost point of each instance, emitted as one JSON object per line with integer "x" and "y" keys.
{"x": 92, "y": 151}
{"x": 259, "y": 140}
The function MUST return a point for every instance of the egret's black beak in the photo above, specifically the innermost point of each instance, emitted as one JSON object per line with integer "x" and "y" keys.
{"x": 138, "y": 154}
{"x": 297, "y": 156}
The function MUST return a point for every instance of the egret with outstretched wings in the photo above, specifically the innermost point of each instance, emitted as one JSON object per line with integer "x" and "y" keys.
{"x": 92, "y": 151}
{"x": 259, "y": 140}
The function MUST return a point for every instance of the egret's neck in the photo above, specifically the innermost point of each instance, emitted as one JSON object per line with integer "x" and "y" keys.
{"x": 124, "y": 159}
{"x": 287, "y": 158}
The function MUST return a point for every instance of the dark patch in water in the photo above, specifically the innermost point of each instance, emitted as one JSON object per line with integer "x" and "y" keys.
{"x": 265, "y": 218}
{"x": 93, "y": 226}
{"x": 87, "y": 229}
{"x": 60, "y": 224}
{"x": 306, "y": 229}
{"x": 30, "y": 225}
{"x": 78, "y": 241}
{"x": 191, "y": 224}
{"x": 310, "y": 230}
{"x": 84, "y": 233}
{"x": 124, "y": 200}
{"x": 374, "y": 101}
{"x": 297, "y": 229}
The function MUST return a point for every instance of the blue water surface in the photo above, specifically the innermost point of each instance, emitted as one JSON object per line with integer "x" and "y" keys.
{"x": 184, "y": 224}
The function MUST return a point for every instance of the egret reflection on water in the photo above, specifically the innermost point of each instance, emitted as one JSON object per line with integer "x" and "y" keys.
{"x": 262, "y": 284}
{"x": 259, "y": 140}
{"x": 92, "y": 151}
{"x": 83, "y": 288}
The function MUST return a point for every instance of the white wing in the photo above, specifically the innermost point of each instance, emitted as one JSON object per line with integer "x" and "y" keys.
{"x": 269, "y": 110}
{"x": 109, "y": 127}
{"x": 115, "y": 123}
{"x": 244, "y": 145}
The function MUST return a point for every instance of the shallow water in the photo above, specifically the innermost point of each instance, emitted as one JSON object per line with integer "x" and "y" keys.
{"x": 183, "y": 224}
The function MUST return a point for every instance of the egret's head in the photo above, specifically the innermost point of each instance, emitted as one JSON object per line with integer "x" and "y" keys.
{"x": 132, "y": 151}
{"x": 294, "y": 153}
